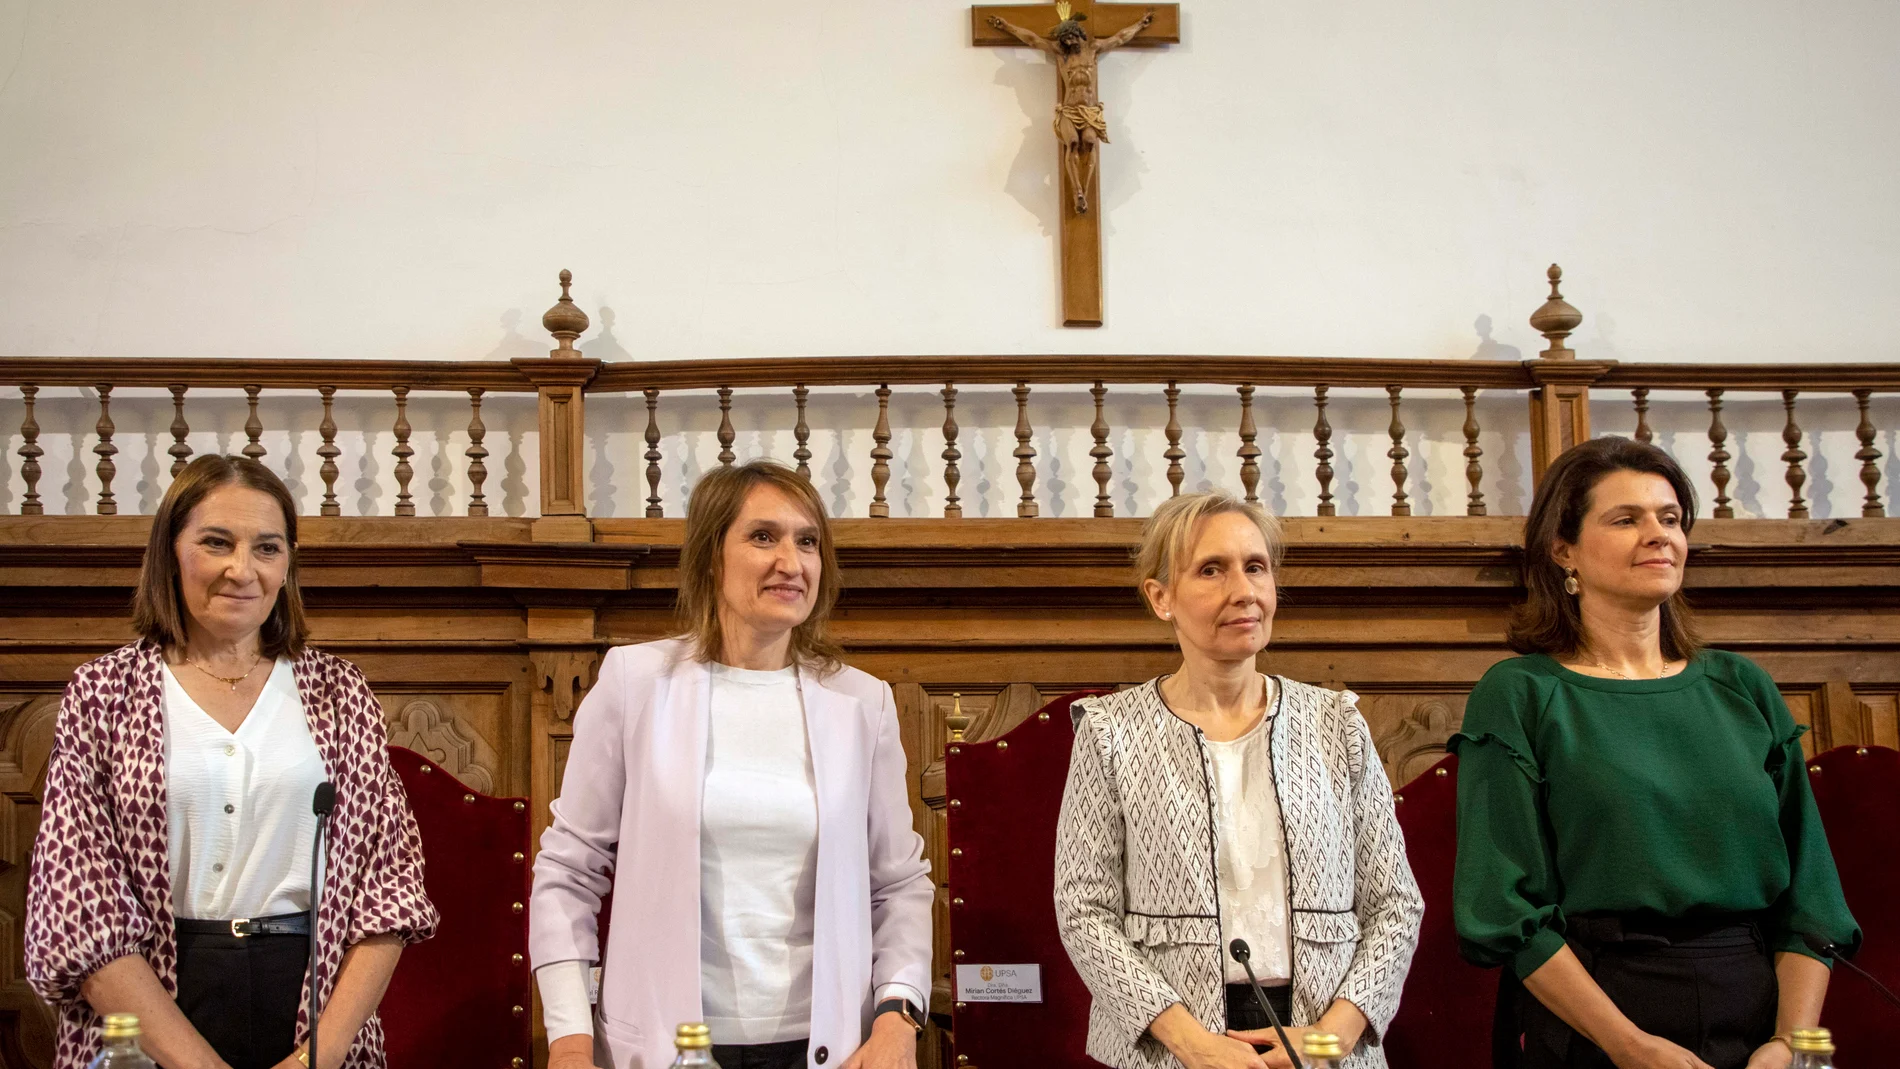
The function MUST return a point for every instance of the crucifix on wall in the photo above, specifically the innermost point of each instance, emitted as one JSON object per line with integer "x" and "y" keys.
{"x": 1079, "y": 32}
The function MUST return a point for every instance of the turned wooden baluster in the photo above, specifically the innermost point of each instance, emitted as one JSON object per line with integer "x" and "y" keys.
{"x": 105, "y": 450}
{"x": 1174, "y": 452}
{"x": 1323, "y": 435}
{"x": 1101, "y": 452}
{"x": 180, "y": 450}
{"x": 726, "y": 433}
{"x": 1249, "y": 453}
{"x": 801, "y": 432}
{"x": 881, "y": 454}
{"x": 1719, "y": 457}
{"x": 329, "y": 452}
{"x": 1474, "y": 469}
{"x": 1025, "y": 454}
{"x": 1791, "y": 436}
{"x": 952, "y": 507}
{"x": 477, "y": 453}
{"x": 654, "y": 511}
{"x": 30, "y": 454}
{"x": 1398, "y": 453}
{"x": 403, "y": 451}
{"x": 1869, "y": 473}
{"x": 253, "y": 427}
{"x": 1643, "y": 433}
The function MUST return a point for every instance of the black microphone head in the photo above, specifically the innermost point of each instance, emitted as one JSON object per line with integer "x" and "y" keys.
{"x": 1819, "y": 945}
{"x": 324, "y": 800}
{"x": 1239, "y": 949}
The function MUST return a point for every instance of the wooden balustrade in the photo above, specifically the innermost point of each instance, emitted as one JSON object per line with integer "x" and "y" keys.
{"x": 1557, "y": 386}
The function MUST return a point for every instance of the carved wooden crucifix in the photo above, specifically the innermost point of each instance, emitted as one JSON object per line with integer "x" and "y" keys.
{"x": 1077, "y": 32}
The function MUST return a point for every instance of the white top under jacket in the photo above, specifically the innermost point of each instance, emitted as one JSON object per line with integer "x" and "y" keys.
{"x": 238, "y": 804}
{"x": 1250, "y": 851}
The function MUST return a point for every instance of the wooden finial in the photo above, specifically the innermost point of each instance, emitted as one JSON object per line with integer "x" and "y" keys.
{"x": 565, "y": 321}
{"x": 958, "y": 720}
{"x": 1556, "y": 319}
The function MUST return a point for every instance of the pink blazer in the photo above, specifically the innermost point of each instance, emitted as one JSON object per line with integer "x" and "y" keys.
{"x": 628, "y": 819}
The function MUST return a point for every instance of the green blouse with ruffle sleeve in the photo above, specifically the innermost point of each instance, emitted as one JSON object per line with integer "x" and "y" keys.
{"x": 1679, "y": 797}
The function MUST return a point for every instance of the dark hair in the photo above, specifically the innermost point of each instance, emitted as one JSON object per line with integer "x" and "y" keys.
{"x": 1548, "y": 621}
{"x": 713, "y": 508}
{"x": 158, "y": 605}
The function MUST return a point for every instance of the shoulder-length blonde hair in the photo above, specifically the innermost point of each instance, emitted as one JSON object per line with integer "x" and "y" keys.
{"x": 717, "y": 500}
{"x": 1166, "y": 539}
{"x": 158, "y": 610}
{"x": 1548, "y": 621}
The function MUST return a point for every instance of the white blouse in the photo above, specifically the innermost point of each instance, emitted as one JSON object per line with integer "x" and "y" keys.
{"x": 238, "y": 804}
{"x": 1250, "y": 853}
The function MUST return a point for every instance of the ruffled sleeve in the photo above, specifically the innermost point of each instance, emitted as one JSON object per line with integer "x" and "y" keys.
{"x": 1505, "y": 889}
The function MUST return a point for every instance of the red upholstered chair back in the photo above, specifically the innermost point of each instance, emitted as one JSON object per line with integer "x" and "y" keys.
{"x": 1004, "y": 797}
{"x": 1445, "y": 1014}
{"x": 1858, "y": 793}
{"x": 461, "y": 998}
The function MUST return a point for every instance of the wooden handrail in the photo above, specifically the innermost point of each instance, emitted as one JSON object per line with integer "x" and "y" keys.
{"x": 277, "y": 374}
{"x": 1808, "y": 378}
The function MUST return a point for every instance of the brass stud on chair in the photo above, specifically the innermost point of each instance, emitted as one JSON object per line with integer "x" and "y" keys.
{"x": 956, "y": 851}
{"x": 515, "y": 959}
{"x": 517, "y": 907}
{"x": 516, "y": 1063}
{"x": 426, "y": 770}
{"x": 1816, "y": 769}
{"x": 521, "y": 807}
{"x": 1042, "y": 716}
{"x": 520, "y": 857}
{"x": 1002, "y": 744}
{"x": 468, "y": 799}
{"x": 1398, "y": 799}
{"x": 1442, "y": 773}
{"x": 516, "y": 1010}
{"x": 956, "y": 901}
{"x": 956, "y": 803}
{"x": 1861, "y": 752}
{"x": 957, "y": 954}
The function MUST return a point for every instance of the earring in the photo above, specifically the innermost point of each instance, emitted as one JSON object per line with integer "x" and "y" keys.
{"x": 1570, "y": 583}
{"x": 1167, "y": 616}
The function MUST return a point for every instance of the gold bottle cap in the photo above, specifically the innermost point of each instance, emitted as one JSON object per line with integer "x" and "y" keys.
{"x": 693, "y": 1036}
{"x": 1811, "y": 1041}
{"x": 1321, "y": 1045}
{"x": 121, "y": 1025}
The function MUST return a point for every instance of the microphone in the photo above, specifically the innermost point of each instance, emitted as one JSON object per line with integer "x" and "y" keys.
{"x": 1243, "y": 954}
{"x": 321, "y": 803}
{"x": 1836, "y": 952}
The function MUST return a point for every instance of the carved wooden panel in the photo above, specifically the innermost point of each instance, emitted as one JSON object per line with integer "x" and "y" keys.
{"x": 1409, "y": 727}
{"x": 430, "y": 727}
{"x": 26, "y": 741}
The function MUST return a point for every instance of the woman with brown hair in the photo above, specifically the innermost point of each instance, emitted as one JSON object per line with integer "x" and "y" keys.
{"x": 1637, "y": 842}
{"x": 171, "y": 875}
{"x": 741, "y": 793}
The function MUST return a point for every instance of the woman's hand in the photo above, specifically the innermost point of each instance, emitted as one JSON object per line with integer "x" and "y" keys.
{"x": 1196, "y": 1047}
{"x": 1774, "y": 1054}
{"x": 1644, "y": 1051}
{"x": 893, "y": 1045}
{"x": 572, "y": 1052}
{"x": 1267, "y": 1037}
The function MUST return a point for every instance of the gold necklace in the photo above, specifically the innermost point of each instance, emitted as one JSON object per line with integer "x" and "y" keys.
{"x": 1598, "y": 661}
{"x": 229, "y": 681}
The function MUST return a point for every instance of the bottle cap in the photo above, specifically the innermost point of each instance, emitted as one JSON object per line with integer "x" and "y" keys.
{"x": 693, "y": 1036}
{"x": 1811, "y": 1041}
{"x": 121, "y": 1025}
{"x": 1321, "y": 1045}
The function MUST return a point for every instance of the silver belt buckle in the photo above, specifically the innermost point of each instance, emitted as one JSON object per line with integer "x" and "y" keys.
{"x": 234, "y": 929}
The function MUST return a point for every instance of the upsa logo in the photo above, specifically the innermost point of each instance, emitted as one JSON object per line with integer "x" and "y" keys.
{"x": 988, "y": 974}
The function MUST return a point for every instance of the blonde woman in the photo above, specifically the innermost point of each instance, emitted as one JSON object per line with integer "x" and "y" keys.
{"x": 1216, "y": 803}
{"x": 742, "y": 793}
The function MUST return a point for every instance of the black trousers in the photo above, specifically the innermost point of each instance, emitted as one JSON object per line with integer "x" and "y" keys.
{"x": 1709, "y": 988}
{"x": 242, "y": 993}
{"x": 1244, "y": 1012}
{"x": 787, "y": 1055}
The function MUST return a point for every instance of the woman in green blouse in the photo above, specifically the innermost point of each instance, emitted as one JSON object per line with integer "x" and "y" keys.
{"x": 1637, "y": 843}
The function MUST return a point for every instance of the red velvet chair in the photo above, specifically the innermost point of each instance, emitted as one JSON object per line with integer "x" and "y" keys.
{"x": 462, "y": 998}
{"x": 1858, "y": 793}
{"x": 1445, "y": 1014}
{"x": 1004, "y": 798}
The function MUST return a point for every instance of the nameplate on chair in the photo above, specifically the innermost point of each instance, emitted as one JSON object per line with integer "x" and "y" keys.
{"x": 999, "y": 983}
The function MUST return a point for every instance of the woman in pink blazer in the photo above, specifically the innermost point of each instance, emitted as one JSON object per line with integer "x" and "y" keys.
{"x": 741, "y": 792}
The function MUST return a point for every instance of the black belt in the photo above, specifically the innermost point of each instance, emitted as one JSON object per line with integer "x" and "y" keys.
{"x": 282, "y": 924}
{"x": 1648, "y": 929}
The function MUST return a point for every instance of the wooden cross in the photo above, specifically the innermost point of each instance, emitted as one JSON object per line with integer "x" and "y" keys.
{"x": 1079, "y": 121}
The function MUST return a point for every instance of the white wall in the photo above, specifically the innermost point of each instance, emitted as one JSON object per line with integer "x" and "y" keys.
{"x": 1385, "y": 178}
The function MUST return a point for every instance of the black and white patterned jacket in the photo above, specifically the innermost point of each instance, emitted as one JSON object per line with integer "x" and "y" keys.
{"x": 1136, "y": 891}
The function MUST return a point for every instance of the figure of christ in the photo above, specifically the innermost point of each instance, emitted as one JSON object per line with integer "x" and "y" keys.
{"x": 1080, "y": 125}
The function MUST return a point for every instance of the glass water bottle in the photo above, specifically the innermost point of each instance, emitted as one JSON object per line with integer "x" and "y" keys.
{"x": 694, "y": 1043}
{"x": 1813, "y": 1048}
{"x": 122, "y": 1049}
{"x": 1320, "y": 1050}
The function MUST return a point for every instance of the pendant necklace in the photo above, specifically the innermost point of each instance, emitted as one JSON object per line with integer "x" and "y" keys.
{"x": 229, "y": 681}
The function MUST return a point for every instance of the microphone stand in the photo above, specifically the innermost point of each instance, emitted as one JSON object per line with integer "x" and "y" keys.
{"x": 1242, "y": 954}
{"x": 320, "y": 804}
{"x": 1836, "y": 952}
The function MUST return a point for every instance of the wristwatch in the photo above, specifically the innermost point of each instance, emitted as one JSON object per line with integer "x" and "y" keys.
{"x": 904, "y": 1008}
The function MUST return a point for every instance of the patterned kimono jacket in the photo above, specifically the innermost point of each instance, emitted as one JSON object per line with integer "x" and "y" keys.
{"x": 101, "y": 881}
{"x": 1137, "y": 892}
